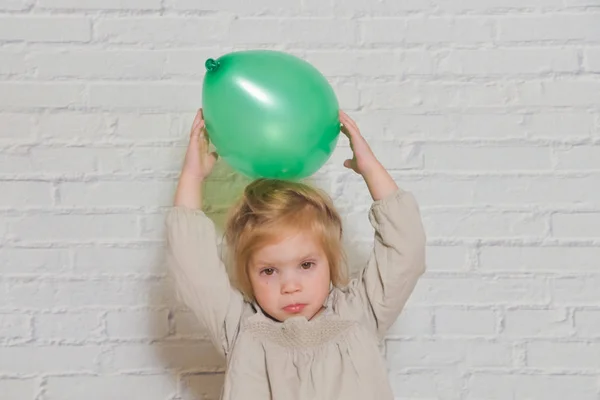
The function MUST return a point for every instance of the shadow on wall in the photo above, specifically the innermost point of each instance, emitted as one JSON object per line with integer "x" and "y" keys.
{"x": 186, "y": 352}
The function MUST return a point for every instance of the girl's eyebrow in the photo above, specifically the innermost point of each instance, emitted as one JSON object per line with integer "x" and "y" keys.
{"x": 265, "y": 263}
{"x": 261, "y": 263}
{"x": 308, "y": 256}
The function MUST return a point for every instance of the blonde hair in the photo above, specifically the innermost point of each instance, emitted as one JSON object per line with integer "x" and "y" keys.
{"x": 269, "y": 207}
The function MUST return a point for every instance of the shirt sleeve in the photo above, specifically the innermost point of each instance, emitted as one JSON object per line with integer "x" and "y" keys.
{"x": 396, "y": 262}
{"x": 200, "y": 276}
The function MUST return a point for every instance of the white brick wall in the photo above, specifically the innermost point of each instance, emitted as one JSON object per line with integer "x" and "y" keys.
{"x": 486, "y": 109}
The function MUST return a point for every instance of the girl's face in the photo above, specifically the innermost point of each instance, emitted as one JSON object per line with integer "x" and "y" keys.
{"x": 291, "y": 277}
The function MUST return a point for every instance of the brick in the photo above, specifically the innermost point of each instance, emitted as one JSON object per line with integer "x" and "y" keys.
{"x": 447, "y": 258}
{"x": 54, "y": 160}
{"x": 483, "y": 224}
{"x": 542, "y": 190}
{"x": 383, "y": 31}
{"x": 587, "y": 323}
{"x": 15, "y": 326}
{"x": 537, "y": 323}
{"x": 303, "y": 31}
{"x": 480, "y": 291}
{"x": 17, "y": 194}
{"x": 161, "y": 30}
{"x": 98, "y": 293}
{"x": 259, "y": 7}
{"x": 484, "y": 354}
{"x": 319, "y": 8}
{"x": 492, "y": 94}
{"x": 18, "y": 388}
{"x": 47, "y": 28}
{"x": 150, "y": 387}
{"x": 73, "y": 227}
{"x": 118, "y": 260}
{"x": 70, "y": 126}
{"x": 491, "y": 158}
{"x": 502, "y": 386}
{"x": 255, "y": 31}
{"x": 94, "y": 64}
{"x": 427, "y": 383}
{"x": 508, "y": 61}
{"x": 577, "y": 225}
{"x": 383, "y": 8}
{"x": 141, "y": 127}
{"x": 435, "y": 95}
{"x": 486, "y": 126}
{"x": 413, "y": 321}
{"x": 24, "y": 260}
{"x": 563, "y": 355}
{"x": 439, "y": 353}
{"x": 332, "y": 63}
{"x": 48, "y": 359}
{"x": 503, "y": 190}
{"x": 579, "y": 3}
{"x": 101, "y": 4}
{"x": 443, "y": 353}
{"x": 576, "y": 290}
{"x": 71, "y": 325}
{"x": 463, "y": 322}
{"x": 138, "y": 324}
{"x": 540, "y": 28}
{"x": 372, "y": 63}
{"x": 207, "y": 386}
{"x": 318, "y": 31}
{"x": 493, "y": 5}
{"x": 348, "y": 96}
{"x": 560, "y": 125}
{"x": 578, "y": 158}
{"x": 458, "y": 190}
{"x": 591, "y": 59}
{"x": 35, "y": 95}
{"x": 16, "y": 127}
{"x": 433, "y": 29}
{"x": 562, "y": 259}
{"x": 559, "y": 93}
{"x": 197, "y": 356}
{"x": 157, "y": 159}
{"x": 12, "y": 63}
{"x": 417, "y": 95}
{"x": 136, "y": 96}
{"x": 116, "y": 193}
{"x": 15, "y": 5}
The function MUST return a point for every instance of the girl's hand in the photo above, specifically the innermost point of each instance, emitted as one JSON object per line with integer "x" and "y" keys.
{"x": 198, "y": 162}
{"x": 363, "y": 160}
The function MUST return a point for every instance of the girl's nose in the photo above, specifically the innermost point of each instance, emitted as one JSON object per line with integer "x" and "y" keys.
{"x": 290, "y": 285}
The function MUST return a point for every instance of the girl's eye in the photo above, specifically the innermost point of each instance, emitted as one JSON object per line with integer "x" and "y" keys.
{"x": 307, "y": 265}
{"x": 268, "y": 271}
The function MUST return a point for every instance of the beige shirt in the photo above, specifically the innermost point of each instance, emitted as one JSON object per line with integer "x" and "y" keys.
{"x": 333, "y": 356}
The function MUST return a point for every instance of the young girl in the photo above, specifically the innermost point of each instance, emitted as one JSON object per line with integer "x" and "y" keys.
{"x": 293, "y": 327}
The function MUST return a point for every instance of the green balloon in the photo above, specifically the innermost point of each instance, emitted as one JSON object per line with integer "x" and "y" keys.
{"x": 270, "y": 114}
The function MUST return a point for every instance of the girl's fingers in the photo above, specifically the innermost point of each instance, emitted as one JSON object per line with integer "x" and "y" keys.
{"x": 344, "y": 130}
{"x": 348, "y": 123}
{"x": 198, "y": 123}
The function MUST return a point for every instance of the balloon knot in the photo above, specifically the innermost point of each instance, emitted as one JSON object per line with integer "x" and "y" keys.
{"x": 211, "y": 64}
